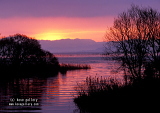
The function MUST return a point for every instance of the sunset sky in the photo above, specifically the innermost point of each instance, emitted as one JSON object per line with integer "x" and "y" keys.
{"x": 61, "y": 19}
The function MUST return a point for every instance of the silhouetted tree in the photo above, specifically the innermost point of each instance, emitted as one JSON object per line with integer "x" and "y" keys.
{"x": 21, "y": 50}
{"x": 136, "y": 35}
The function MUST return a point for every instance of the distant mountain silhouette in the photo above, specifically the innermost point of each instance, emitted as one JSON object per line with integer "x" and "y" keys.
{"x": 72, "y": 46}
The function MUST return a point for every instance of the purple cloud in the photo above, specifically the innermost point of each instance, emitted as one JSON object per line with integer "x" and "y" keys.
{"x": 69, "y": 8}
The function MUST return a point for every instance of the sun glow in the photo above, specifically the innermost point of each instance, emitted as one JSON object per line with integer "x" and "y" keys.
{"x": 57, "y": 35}
{"x": 49, "y": 36}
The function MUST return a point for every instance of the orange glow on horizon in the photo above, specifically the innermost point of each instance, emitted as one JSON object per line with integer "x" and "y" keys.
{"x": 65, "y": 35}
{"x": 57, "y": 28}
{"x": 49, "y": 36}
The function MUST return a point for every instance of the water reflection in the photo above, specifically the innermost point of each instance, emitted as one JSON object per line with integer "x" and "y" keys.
{"x": 25, "y": 93}
{"x": 45, "y": 94}
{"x": 56, "y": 92}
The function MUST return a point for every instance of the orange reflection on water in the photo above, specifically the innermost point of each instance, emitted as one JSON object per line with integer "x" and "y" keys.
{"x": 56, "y": 92}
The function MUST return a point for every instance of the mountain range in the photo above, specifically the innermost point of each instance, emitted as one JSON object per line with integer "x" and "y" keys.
{"x": 72, "y": 46}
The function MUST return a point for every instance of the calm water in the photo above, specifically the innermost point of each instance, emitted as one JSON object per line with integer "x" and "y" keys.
{"x": 53, "y": 94}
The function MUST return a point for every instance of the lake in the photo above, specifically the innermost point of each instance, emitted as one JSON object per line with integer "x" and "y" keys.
{"x": 54, "y": 94}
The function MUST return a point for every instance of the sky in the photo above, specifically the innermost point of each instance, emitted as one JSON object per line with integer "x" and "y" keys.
{"x": 63, "y": 19}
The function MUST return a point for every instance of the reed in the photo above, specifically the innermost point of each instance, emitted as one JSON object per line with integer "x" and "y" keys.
{"x": 74, "y": 66}
{"x": 94, "y": 85}
{"x": 98, "y": 94}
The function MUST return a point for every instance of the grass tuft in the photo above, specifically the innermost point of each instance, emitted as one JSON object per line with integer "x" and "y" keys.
{"x": 74, "y": 66}
{"x": 98, "y": 94}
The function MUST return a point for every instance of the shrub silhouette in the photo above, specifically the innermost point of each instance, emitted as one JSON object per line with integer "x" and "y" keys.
{"x": 20, "y": 50}
{"x": 102, "y": 95}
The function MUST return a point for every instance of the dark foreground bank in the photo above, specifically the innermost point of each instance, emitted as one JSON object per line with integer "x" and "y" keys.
{"x": 40, "y": 70}
{"x": 100, "y": 95}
